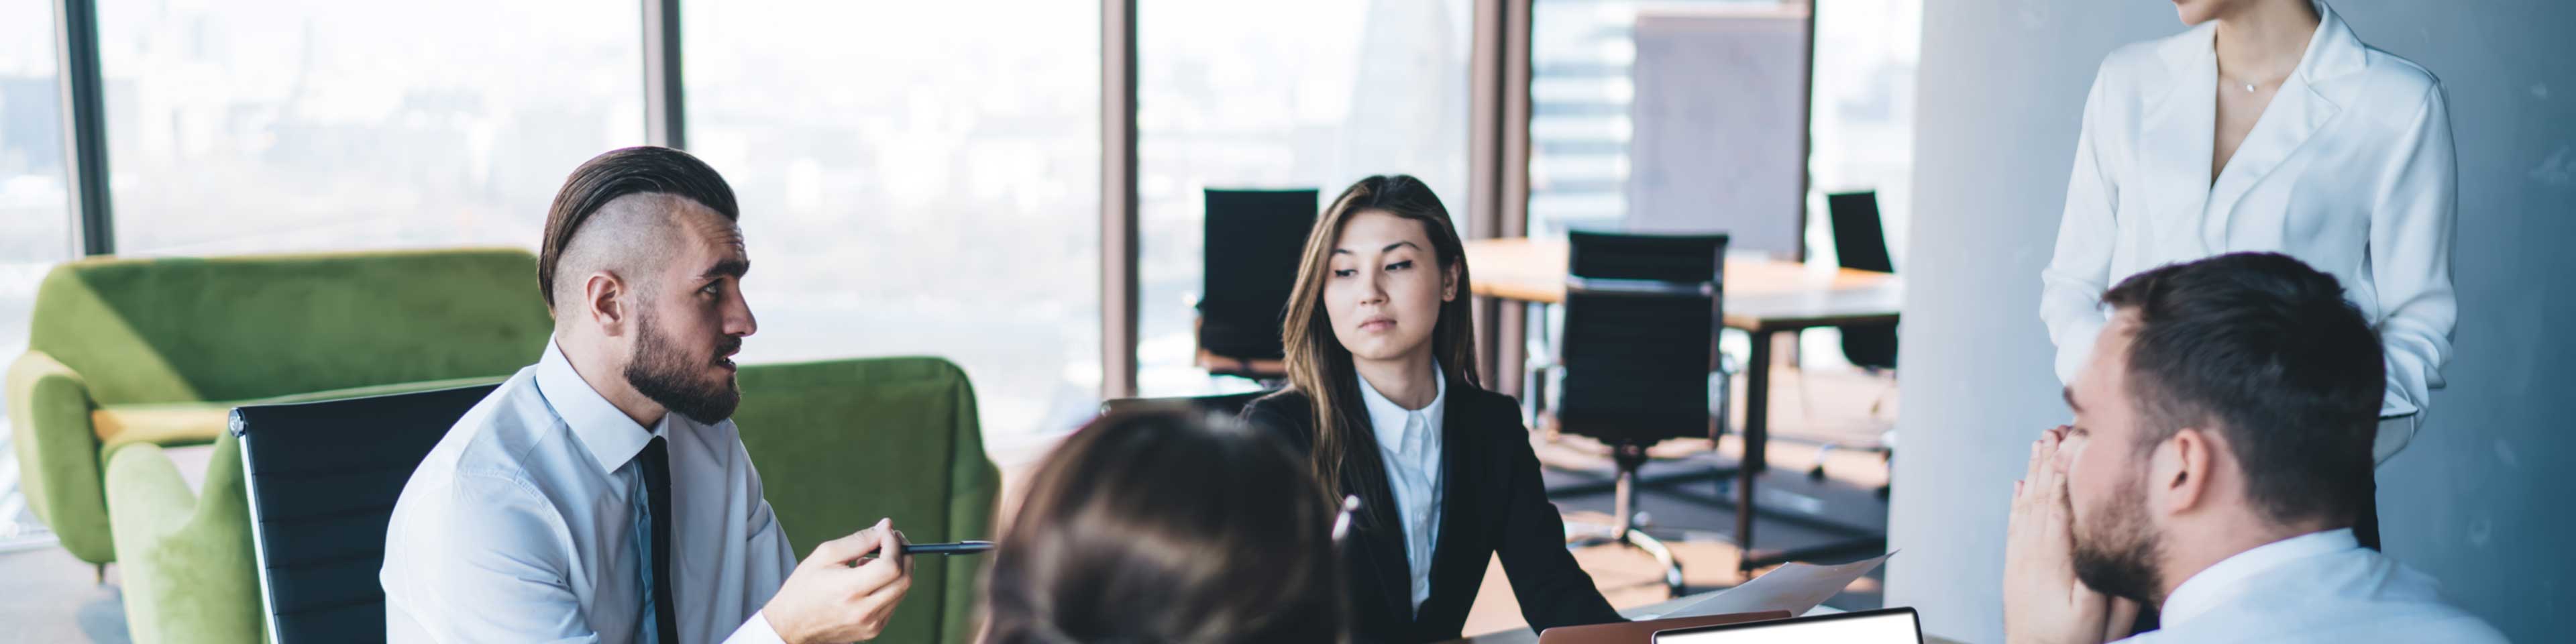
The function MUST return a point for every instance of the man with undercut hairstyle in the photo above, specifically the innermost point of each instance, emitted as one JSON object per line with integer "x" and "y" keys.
{"x": 2220, "y": 451}
{"x": 602, "y": 494}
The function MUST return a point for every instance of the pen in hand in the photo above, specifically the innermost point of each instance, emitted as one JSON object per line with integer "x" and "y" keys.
{"x": 958, "y": 548}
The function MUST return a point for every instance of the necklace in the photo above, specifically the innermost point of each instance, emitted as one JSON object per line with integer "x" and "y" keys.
{"x": 2249, "y": 87}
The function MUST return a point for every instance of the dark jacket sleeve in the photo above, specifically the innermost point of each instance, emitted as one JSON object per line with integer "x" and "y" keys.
{"x": 1552, "y": 589}
{"x": 1283, "y": 416}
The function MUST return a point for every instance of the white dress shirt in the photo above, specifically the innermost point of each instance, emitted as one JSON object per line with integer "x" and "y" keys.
{"x": 1409, "y": 441}
{"x": 2350, "y": 170}
{"x": 2320, "y": 587}
{"x": 522, "y": 525}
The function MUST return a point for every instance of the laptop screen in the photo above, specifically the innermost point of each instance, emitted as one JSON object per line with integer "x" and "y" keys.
{"x": 1887, "y": 626}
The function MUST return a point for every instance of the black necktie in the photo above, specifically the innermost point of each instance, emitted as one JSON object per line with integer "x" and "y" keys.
{"x": 656, "y": 468}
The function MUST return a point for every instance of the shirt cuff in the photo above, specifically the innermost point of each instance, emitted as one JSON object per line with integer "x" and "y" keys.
{"x": 755, "y": 631}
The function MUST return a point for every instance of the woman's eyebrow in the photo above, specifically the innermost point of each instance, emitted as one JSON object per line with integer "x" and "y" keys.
{"x": 1381, "y": 251}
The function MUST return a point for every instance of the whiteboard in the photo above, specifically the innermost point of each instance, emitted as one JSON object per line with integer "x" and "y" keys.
{"x": 1719, "y": 126}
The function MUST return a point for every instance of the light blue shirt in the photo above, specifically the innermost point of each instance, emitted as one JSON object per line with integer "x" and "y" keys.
{"x": 522, "y": 525}
{"x": 2320, "y": 587}
{"x": 1409, "y": 441}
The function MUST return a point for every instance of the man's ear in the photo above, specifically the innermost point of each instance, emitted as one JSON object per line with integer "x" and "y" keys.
{"x": 603, "y": 301}
{"x": 2182, "y": 468}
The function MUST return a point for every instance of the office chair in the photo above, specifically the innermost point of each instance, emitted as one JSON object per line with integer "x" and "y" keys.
{"x": 1225, "y": 405}
{"x": 1253, "y": 240}
{"x": 1639, "y": 341}
{"x": 1860, "y": 242}
{"x": 322, "y": 480}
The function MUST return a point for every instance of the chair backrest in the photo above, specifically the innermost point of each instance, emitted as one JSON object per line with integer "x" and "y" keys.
{"x": 323, "y": 478}
{"x": 1859, "y": 240}
{"x": 234, "y": 328}
{"x": 1861, "y": 243}
{"x": 1254, "y": 239}
{"x": 1227, "y": 405}
{"x": 1641, "y": 318}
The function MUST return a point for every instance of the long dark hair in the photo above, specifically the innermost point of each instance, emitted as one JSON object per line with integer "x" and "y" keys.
{"x": 1163, "y": 526}
{"x": 1320, "y": 367}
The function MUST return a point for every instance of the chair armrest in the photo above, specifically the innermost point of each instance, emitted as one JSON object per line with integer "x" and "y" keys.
{"x": 49, "y": 407}
{"x": 190, "y": 572}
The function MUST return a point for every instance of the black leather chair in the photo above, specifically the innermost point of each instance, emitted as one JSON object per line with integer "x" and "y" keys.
{"x": 1642, "y": 315}
{"x": 1253, "y": 242}
{"x": 1860, "y": 242}
{"x": 323, "y": 478}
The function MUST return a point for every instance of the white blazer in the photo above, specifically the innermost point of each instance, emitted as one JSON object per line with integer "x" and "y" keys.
{"x": 2350, "y": 169}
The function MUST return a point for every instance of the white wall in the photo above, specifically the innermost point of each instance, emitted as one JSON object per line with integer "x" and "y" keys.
{"x": 2482, "y": 499}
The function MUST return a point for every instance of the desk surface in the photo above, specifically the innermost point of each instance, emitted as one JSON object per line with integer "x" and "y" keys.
{"x": 1523, "y": 635}
{"x": 1761, "y": 295}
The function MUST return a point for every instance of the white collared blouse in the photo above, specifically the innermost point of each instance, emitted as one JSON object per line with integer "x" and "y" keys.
{"x": 2350, "y": 169}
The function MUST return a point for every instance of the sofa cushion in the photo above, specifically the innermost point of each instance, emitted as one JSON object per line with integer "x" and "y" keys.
{"x": 240, "y": 328}
{"x": 186, "y": 423}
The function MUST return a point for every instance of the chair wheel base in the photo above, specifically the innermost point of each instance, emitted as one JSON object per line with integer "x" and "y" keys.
{"x": 1597, "y": 535}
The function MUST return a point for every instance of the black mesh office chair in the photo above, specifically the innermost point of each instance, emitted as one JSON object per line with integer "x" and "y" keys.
{"x": 1252, "y": 246}
{"x": 1641, "y": 321}
{"x": 323, "y": 477}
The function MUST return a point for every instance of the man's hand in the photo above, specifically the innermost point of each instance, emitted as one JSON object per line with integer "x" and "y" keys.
{"x": 2043, "y": 602}
{"x": 828, "y": 599}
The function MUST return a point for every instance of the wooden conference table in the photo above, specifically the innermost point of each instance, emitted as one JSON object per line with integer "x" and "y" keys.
{"x": 1761, "y": 297}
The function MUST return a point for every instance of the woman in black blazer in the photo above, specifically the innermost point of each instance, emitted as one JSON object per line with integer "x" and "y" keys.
{"x": 1383, "y": 404}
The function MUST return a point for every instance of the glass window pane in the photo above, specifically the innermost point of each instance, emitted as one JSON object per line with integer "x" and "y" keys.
{"x": 1864, "y": 111}
{"x": 261, "y": 125}
{"x": 916, "y": 178}
{"x": 35, "y": 218}
{"x": 1240, "y": 93}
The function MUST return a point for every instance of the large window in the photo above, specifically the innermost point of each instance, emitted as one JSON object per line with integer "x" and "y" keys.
{"x": 916, "y": 178}
{"x": 261, "y": 125}
{"x": 1245, "y": 94}
{"x": 35, "y": 223}
{"x": 1864, "y": 110}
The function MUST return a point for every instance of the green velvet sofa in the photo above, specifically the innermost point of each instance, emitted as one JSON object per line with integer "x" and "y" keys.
{"x": 838, "y": 443}
{"x": 155, "y": 351}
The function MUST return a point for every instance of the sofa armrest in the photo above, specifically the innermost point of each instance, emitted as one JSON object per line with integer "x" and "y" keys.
{"x": 903, "y": 430}
{"x": 190, "y": 572}
{"x": 973, "y": 485}
{"x": 49, "y": 407}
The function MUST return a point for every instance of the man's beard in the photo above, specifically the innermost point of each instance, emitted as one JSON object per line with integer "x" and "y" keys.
{"x": 664, "y": 373}
{"x": 2116, "y": 554}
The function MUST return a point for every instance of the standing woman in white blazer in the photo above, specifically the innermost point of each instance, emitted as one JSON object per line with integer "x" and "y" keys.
{"x": 2268, "y": 127}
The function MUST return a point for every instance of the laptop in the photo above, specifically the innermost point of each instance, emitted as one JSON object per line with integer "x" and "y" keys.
{"x": 1884, "y": 626}
{"x": 1644, "y": 630}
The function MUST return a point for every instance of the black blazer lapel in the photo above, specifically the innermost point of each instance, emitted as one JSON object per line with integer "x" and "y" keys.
{"x": 1380, "y": 542}
{"x": 1460, "y": 554}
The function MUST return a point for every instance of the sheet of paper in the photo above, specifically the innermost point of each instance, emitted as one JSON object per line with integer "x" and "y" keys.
{"x": 1794, "y": 587}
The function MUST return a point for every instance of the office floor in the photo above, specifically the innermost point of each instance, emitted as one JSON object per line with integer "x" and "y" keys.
{"x": 1822, "y": 405}
{"x": 47, "y": 596}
